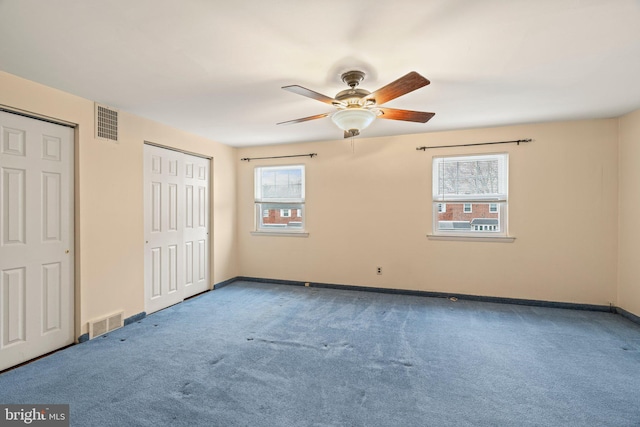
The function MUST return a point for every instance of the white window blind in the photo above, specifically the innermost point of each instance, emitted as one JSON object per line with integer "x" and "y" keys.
{"x": 479, "y": 178}
{"x": 281, "y": 184}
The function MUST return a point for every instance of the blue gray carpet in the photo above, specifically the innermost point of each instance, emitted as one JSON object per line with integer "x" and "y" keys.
{"x": 254, "y": 354}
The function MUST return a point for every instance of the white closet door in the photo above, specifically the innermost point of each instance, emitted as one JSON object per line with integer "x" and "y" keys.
{"x": 196, "y": 225}
{"x": 176, "y": 204}
{"x": 164, "y": 271}
{"x": 36, "y": 238}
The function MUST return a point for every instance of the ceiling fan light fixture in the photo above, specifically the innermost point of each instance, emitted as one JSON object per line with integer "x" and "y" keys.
{"x": 358, "y": 108}
{"x": 353, "y": 118}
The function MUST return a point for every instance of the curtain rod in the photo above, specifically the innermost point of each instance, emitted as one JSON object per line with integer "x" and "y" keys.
{"x": 248, "y": 159}
{"x": 518, "y": 141}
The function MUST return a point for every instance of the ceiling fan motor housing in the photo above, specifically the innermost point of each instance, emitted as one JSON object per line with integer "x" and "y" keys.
{"x": 352, "y": 97}
{"x": 353, "y": 78}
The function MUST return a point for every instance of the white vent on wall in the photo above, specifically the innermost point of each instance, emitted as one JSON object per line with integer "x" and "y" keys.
{"x": 106, "y": 324}
{"x": 106, "y": 122}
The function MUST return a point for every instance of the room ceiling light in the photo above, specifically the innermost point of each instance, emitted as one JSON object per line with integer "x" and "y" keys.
{"x": 353, "y": 120}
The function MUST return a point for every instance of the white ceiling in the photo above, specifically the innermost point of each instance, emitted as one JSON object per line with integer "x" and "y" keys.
{"x": 216, "y": 68}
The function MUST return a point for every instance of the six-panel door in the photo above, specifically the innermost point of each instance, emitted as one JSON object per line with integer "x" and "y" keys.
{"x": 36, "y": 238}
{"x": 176, "y": 210}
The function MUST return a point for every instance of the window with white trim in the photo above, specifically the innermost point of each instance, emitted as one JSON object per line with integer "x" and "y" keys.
{"x": 279, "y": 198}
{"x": 464, "y": 181}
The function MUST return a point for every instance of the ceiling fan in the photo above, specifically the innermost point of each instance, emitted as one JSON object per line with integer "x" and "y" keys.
{"x": 357, "y": 108}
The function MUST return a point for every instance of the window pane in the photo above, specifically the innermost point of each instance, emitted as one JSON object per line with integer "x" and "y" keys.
{"x": 279, "y": 198}
{"x": 480, "y": 218}
{"x": 280, "y": 216}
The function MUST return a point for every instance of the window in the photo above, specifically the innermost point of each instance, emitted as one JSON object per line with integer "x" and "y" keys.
{"x": 475, "y": 187}
{"x": 279, "y": 198}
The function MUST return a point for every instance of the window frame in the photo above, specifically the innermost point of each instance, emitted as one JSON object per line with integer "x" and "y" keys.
{"x": 291, "y": 204}
{"x": 499, "y": 198}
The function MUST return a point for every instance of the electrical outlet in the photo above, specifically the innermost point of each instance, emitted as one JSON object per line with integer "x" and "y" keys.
{"x": 379, "y": 271}
{"x": 307, "y": 284}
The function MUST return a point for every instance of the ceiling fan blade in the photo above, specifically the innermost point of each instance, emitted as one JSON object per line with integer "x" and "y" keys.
{"x": 402, "y": 86}
{"x": 304, "y": 119}
{"x": 309, "y": 93}
{"x": 406, "y": 115}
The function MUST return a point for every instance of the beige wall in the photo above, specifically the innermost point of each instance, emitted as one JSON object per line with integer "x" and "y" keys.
{"x": 629, "y": 214}
{"x": 563, "y": 213}
{"x": 109, "y": 199}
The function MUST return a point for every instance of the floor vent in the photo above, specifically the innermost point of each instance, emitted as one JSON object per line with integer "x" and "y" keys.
{"x": 106, "y": 122}
{"x": 106, "y": 324}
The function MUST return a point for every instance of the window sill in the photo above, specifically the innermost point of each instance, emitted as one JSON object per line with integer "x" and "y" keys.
{"x": 501, "y": 239}
{"x": 280, "y": 233}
